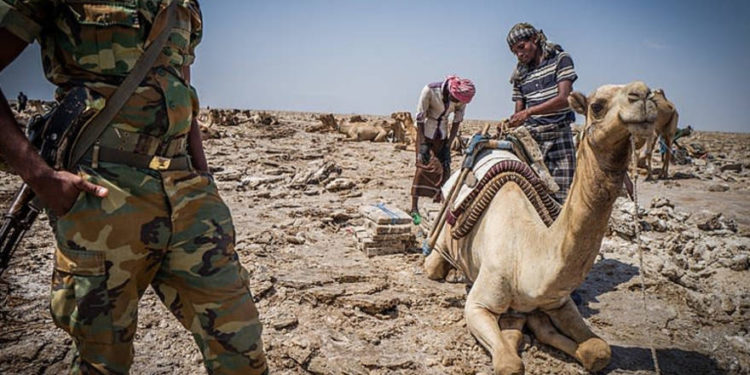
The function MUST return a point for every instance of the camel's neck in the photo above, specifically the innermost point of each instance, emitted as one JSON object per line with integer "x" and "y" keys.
{"x": 584, "y": 217}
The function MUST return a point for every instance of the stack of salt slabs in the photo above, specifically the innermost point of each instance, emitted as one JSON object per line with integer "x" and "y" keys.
{"x": 387, "y": 230}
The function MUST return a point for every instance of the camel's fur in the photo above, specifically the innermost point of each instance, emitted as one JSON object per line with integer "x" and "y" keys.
{"x": 365, "y": 131}
{"x": 328, "y": 123}
{"x": 666, "y": 127}
{"x": 523, "y": 271}
{"x": 404, "y": 131}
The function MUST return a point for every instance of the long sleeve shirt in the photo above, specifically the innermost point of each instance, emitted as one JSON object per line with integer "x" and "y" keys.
{"x": 434, "y": 108}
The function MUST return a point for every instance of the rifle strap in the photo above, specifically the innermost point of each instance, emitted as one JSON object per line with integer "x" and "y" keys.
{"x": 88, "y": 136}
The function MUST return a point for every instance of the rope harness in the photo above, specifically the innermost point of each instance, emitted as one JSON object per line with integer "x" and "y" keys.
{"x": 637, "y": 229}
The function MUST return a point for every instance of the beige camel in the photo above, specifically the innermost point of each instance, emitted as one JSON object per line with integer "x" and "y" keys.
{"x": 365, "y": 131}
{"x": 523, "y": 271}
{"x": 404, "y": 131}
{"x": 328, "y": 123}
{"x": 664, "y": 126}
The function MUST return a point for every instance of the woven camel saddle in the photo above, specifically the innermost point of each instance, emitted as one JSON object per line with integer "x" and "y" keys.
{"x": 522, "y": 165}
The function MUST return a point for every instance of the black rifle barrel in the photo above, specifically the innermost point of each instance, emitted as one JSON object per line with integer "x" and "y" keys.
{"x": 16, "y": 222}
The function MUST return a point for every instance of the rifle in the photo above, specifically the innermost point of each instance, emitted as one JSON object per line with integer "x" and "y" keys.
{"x": 50, "y": 134}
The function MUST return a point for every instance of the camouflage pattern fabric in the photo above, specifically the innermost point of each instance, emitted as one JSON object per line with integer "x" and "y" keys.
{"x": 181, "y": 243}
{"x": 97, "y": 43}
{"x": 169, "y": 230}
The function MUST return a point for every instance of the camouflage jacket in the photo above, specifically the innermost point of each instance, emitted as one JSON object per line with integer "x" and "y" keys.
{"x": 95, "y": 43}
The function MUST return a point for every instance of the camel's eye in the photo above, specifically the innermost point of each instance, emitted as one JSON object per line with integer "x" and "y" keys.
{"x": 597, "y": 108}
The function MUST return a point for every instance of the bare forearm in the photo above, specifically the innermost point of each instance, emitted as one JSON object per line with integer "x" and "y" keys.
{"x": 454, "y": 131}
{"x": 195, "y": 147}
{"x": 195, "y": 142}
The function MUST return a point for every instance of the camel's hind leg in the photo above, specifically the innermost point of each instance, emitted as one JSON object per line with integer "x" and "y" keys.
{"x": 483, "y": 305}
{"x": 668, "y": 139}
{"x": 380, "y": 137}
{"x": 650, "y": 144}
{"x": 666, "y": 159}
{"x": 547, "y": 334}
{"x": 593, "y": 352}
{"x": 436, "y": 267}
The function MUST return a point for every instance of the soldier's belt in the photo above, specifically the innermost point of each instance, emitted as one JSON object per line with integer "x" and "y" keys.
{"x": 143, "y": 143}
{"x": 101, "y": 154}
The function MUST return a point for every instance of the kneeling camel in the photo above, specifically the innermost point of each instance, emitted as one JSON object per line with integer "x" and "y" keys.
{"x": 523, "y": 271}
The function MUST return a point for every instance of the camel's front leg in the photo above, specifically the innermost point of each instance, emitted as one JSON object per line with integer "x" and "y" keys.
{"x": 593, "y": 352}
{"x": 651, "y": 143}
{"x": 483, "y": 305}
{"x": 511, "y": 326}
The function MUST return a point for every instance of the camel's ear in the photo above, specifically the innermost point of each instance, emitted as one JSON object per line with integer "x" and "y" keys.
{"x": 577, "y": 101}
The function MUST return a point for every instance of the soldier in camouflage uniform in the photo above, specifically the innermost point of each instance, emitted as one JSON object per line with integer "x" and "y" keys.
{"x": 123, "y": 223}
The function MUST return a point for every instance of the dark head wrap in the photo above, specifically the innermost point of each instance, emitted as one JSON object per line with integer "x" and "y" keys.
{"x": 523, "y": 31}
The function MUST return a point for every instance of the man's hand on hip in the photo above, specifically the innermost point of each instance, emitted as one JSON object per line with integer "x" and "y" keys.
{"x": 59, "y": 190}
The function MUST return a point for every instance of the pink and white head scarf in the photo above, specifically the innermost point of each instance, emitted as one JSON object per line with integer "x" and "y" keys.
{"x": 461, "y": 88}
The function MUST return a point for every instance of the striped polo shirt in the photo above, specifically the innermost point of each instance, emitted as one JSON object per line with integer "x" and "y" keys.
{"x": 540, "y": 85}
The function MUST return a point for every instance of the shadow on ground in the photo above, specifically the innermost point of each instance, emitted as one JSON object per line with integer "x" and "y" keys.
{"x": 671, "y": 361}
{"x": 604, "y": 277}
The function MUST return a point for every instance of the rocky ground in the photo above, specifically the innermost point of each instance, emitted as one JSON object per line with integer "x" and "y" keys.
{"x": 329, "y": 309}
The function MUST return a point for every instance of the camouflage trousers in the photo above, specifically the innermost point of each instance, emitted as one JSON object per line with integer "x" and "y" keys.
{"x": 170, "y": 230}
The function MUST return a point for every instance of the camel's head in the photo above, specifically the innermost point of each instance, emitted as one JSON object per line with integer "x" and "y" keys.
{"x": 614, "y": 112}
{"x": 401, "y": 116}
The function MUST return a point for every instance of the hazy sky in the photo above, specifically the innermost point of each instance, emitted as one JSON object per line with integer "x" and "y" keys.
{"x": 375, "y": 56}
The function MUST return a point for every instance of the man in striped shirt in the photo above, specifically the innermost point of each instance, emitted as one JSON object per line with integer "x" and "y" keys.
{"x": 542, "y": 81}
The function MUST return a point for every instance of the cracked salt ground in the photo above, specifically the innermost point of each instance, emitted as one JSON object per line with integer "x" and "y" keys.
{"x": 327, "y": 308}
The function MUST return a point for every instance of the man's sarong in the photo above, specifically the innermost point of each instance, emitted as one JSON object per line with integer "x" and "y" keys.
{"x": 556, "y": 143}
{"x": 430, "y": 177}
